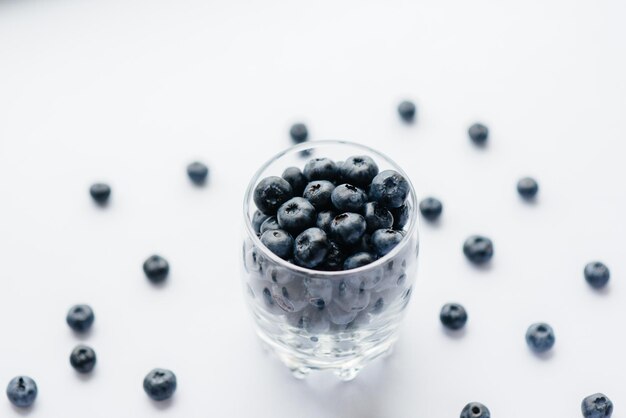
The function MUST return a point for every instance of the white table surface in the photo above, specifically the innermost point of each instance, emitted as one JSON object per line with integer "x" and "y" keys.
{"x": 130, "y": 91}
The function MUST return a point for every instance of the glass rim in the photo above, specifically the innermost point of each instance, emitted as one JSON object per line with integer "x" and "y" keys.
{"x": 413, "y": 219}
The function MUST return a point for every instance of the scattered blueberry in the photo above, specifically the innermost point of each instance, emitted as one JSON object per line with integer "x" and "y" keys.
{"x": 348, "y": 198}
{"x": 279, "y": 242}
{"x": 389, "y": 189}
{"x": 478, "y": 249}
{"x": 100, "y": 192}
{"x": 197, "y": 172}
{"x": 156, "y": 268}
{"x": 296, "y": 179}
{"x": 270, "y": 224}
{"x": 80, "y": 318}
{"x": 431, "y": 208}
{"x": 540, "y": 337}
{"x": 401, "y": 216}
{"x": 406, "y": 110}
{"x": 321, "y": 169}
{"x": 384, "y": 240}
{"x": 299, "y": 133}
{"x": 310, "y": 248}
{"x": 324, "y": 220}
{"x": 597, "y": 406}
{"x": 296, "y": 215}
{"x": 597, "y": 274}
{"x": 348, "y": 228}
{"x": 527, "y": 187}
{"x": 358, "y": 260}
{"x": 319, "y": 194}
{"x": 83, "y": 359}
{"x": 160, "y": 384}
{"x": 359, "y": 170}
{"x": 478, "y": 133}
{"x": 453, "y": 316}
{"x": 475, "y": 410}
{"x": 377, "y": 217}
{"x": 257, "y": 220}
{"x": 335, "y": 257}
{"x": 271, "y": 193}
{"x": 22, "y": 391}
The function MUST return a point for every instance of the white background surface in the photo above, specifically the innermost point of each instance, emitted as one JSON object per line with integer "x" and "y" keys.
{"x": 130, "y": 91}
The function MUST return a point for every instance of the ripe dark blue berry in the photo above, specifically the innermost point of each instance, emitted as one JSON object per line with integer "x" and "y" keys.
{"x": 384, "y": 240}
{"x": 156, "y": 268}
{"x": 321, "y": 169}
{"x": 299, "y": 133}
{"x": 527, "y": 187}
{"x": 279, "y": 242}
{"x": 319, "y": 194}
{"x": 257, "y": 220}
{"x": 359, "y": 170}
{"x": 296, "y": 179}
{"x": 324, "y": 219}
{"x": 310, "y": 248}
{"x": 160, "y": 384}
{"x": 80, "y": 318}
{"x": 377, "y": 217}
{"x": 271, "y": 193}
{"x": 198, "y": 172}
{"x": 334, "y": 258}
{"x": 348, "y": 228}
{"x": 597, "y": 274}
{"x": 348, "y": 198}
{"x": 358, "y": 260}
{"x": 540, "y": 337}
{"x": 270, "y": 224}
{"x": 401, "y": 216}
{"x": 597, "y": 406}
{"x": 100, "y": 192}
{"x": 406, "y": 110}
{"x": 22, "y": 391}
{"x": 478, "y": 133}
{"x": 453, "y": 316}
{"x": 83, "y": 359}
{"x": 475, "y": 410}
{"x": 296, "y": 215}
{"x": 478, "y": 249}
{"x": 431, "y": 208}
{"x": 389, "y": 189}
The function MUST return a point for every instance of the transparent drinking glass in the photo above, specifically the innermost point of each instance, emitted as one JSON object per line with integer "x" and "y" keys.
{"x": 327, "y": 320}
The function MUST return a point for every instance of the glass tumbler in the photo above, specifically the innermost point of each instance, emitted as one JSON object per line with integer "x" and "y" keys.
{"x": 327, "y": 320}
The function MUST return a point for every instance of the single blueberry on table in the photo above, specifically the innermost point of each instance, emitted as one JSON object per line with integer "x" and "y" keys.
{"x": 83, "y": 359}
{"x": 478, "y": 249}
{"x": 389, "y": 188}
{"x": 527, "y": 187}
{"x": 478, "y": 133}
{"x": 271, "y": 193}
{"x": 348, "y": 198}
{"x": 296, "y": 215}
{"x": 358, "y": 260}
{"x": 597, "y": 274}
{"x": 321, "y": 169}
{"x": 597, "y": 406}
{"x": 279, "y": 242}
{"x": 540, "y": 337}
{"x": 324, "y": 220}
{"x": 257, "y": 220}
{"x": 334, "y": 258}
{"x": 310, "y": 248}
{"x": 431, "y": 208}
{"x": 22, "y": 391}
{"x": 296, "y": 179}
{"x": 100, "y": 192}
{"x": 299, "y": 133}
{"x": 406, "y": 110}
{"x": 348, "y": 228}
{"x": 156, "y": 268}
{"x": 80, "y": 318}
{"x": 160, "y": 384}
{"x": 359, "y": 170}
{"x": 453, "y": 316}
{"x": 384, "y": 240}
{"x": 269, "y": 224}
{"x": 401, "y": 216}
{"x": 319, "y": 194}
{"x": 377, "y": 217}
{"x": 475, "y": 410}
{"x": 197, "y": 172}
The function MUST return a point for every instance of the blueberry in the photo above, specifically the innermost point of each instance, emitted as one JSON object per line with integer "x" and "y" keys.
{"x": 310, "y": 248}
{"x": 377, "y": 217}
{"x": 478, "y": 249}
{"x": 406, "y": 110}
{"x": 431, "y": 208}
{"x": 358, "y": 170}
{"x": 475, "y": 410}
{"x": 83, "y": 359}
{"x": 156, "y": 268}
{"x": 197, "y": 172}
{"x": 364, "y": 244}
{"x": 299, "y": 133}
{"x": 296, "y": 179}
{"x": 321, "y": 169}
{"x": 270, "y": 224}
{"x": 80, "y": 318}
{"x": 389, "y": 189}
{"x": 453, "y": 316}
{"x": 401, "y": 216}
{"x": 478, "y": 133}
{"x": 324, "y": 219}
{"x": 335, "y": 257}
{"x": 348, "y": 198}
{"x": 160, "y": 384}
{"x": 257, "y": 220}
{"x": 270, "y": 193}
{"x": 358, "y": 260}
{"x": 100, "y": 192}
{"x": 348, "y": 228}
{"x": 319, "y": 291}
{"x": 597, "y": 406}
{"x": 22, "y": 391}
{"x": 384, "y": 240}
{"x": 540, "y": 337}
{"x": 296, "y": 215}
{"x": 597, "y": 274}
{"x": 350, "y": 299}
{"x": 279, "y": 242}
{"x": 527, "y": 187}
{"x": 312, "y": 320}
{"x": 290, "y": 296}
{"x": 319, "y": 194}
